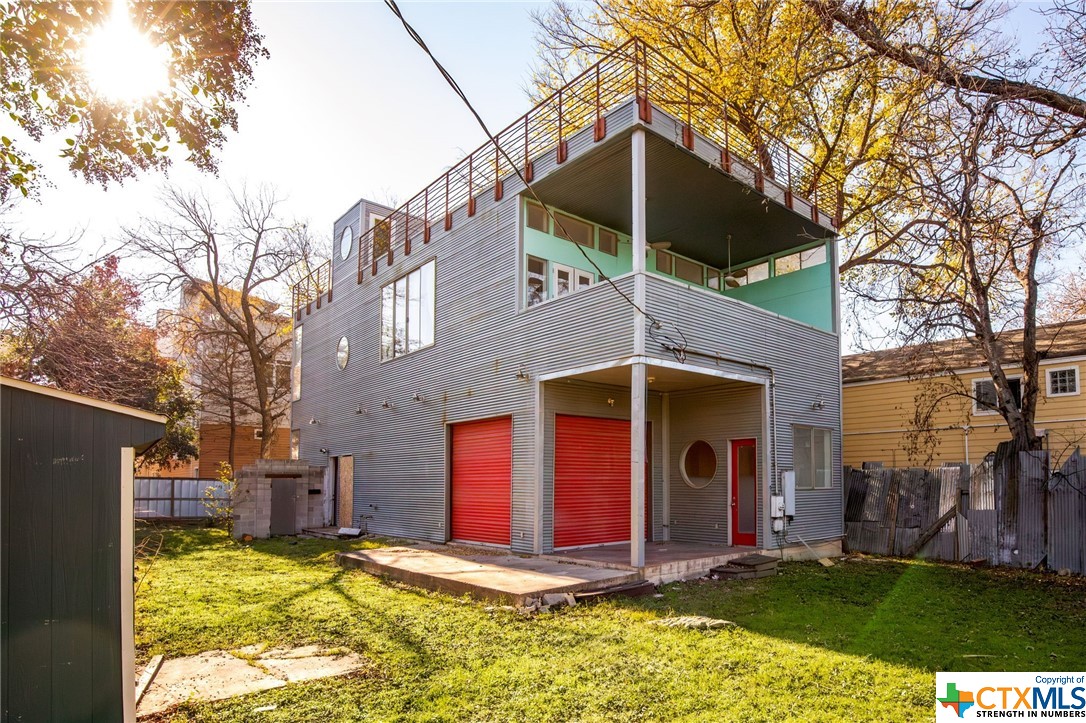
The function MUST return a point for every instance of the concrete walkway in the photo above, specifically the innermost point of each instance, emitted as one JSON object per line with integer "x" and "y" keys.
{"x": 220, "y": 674}
{"x": 501, "y": 578}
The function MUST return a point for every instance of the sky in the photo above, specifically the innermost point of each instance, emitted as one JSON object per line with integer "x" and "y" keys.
{"x": 347, "y": 106}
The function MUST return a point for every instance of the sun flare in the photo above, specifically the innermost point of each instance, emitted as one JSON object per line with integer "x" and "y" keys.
{"x": 122, "y": 63}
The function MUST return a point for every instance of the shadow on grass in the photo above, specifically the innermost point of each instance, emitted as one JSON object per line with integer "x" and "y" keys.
{"x": 926, "y": 615}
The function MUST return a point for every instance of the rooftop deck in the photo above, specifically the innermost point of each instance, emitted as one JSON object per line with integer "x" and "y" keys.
{"x": 632, "y": 73}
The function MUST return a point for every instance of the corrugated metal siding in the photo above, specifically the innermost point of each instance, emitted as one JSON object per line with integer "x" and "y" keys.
{"x": 569, "y": 396}
{"x": 470, "y": 372}
{"x": 731, "y": 411}
{"x": 805, "y": 361}
{"x": 482, "y": 339}
{"x": 591, "y": 480}
{"x": 1067, "y": 516}
{"x": 482, "y": 480}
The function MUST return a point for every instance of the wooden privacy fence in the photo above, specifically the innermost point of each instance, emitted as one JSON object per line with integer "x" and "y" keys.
{"x": 1009, "y": 510}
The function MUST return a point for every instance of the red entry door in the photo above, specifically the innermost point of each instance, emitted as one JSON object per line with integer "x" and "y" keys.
{"x": 744, "y": 489}
{"x": 482, "y": 465}
{"x": 592, "y": 481}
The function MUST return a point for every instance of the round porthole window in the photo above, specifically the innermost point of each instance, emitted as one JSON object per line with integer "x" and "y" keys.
{"x": 345, "y": 242}
{"x": 343, "y": 353}
{"x": 698, "y": 464}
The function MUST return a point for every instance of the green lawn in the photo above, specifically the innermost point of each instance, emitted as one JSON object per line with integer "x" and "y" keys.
{"x": 859, "y": 641}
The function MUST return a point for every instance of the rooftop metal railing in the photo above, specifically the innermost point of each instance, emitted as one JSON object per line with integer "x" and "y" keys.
{"x": 312, "y": 289}
{"x": 633, "y": 71}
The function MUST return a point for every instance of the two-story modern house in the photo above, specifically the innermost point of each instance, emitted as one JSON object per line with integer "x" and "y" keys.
{"x": 652, "y": 357}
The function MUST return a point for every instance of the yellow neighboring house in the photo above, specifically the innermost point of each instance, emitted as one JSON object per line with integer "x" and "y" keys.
{"x": 884, "y": 390}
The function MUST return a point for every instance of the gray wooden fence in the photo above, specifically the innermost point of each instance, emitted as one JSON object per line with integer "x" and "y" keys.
{"x": 1010, "y": 510}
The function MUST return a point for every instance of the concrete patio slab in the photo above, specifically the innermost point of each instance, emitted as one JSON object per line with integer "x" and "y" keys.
{"x": 497, "y": 577}
{"x": 220, "y": 674}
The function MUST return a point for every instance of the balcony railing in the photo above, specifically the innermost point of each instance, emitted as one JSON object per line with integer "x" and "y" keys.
{"x": 633, "y": 71}
{"x": 312, "y": 289}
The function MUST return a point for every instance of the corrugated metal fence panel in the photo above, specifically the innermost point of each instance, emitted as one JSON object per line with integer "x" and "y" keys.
{"x": 1067, "y": 516}
{"x": 481, "y": 480}
{"x": 1029, "y": 550}
{"x": 984, "y": 503}
{"x": 591, "y": 480}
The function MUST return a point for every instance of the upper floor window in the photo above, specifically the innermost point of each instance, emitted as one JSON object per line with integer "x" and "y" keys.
{"x": 537, "y": 217}
{"x": 752, "y": 274}
{"x": 799, "y": 260}
{"x": 296, "y": 369}
{"x": 1062, "y": 382}
{"x": 608, "y": 242}
{"x": 812, "y": 456}
{"x": 407, "y": 312}
{"x": 550, "y": 280}
{"x": 574, "y": 229}
{"x": 985, "y": 400}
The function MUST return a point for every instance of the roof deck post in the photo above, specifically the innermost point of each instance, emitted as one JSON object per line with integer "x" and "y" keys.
{"x": 638, "y": 391}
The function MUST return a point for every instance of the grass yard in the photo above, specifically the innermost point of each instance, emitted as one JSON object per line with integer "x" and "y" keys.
{"x": 859, "y": 641}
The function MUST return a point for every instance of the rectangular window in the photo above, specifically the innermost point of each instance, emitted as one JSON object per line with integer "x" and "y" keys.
{"x": 689, "y": 270}
{"x": 382, "y": 236}
{"x": 296, "y": 369}
{"x": 800, "y": 260}
{"x": 608, "y": 242}
{"x": 408, "y": 312}
{"x": 1062, "y": 382}
{"x": 258, "y": 434}
{"x": 295, "y": 443}
{"x": 573, "y": 229}
{"x": 786, "y": 265}
{"x": 984, "y": 395}
{"x": 537, "y": 280}
{"x": 812, "y": 456}
{"x": 713, "y": 279}
{"x": 281, "y": 377}
{"x": 663, "y": 262}
{"x": 537, "y": 217}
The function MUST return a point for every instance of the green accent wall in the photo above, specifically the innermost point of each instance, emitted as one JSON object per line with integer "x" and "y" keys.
{"x": 805, "y": 295}
{"x": 561, "y": 251}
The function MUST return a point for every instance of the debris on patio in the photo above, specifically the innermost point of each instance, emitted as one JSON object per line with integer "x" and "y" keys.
{"x": 746, "y": 567}
{"x": 219, "y": 674}
{"x": 694, "y": 622}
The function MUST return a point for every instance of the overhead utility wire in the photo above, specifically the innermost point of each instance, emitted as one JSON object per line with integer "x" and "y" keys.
{"x": 457, "y": 89}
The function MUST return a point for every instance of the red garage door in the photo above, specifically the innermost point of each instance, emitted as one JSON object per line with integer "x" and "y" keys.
{"x": 592, "y": 481}
{"x": 482, "y": 464}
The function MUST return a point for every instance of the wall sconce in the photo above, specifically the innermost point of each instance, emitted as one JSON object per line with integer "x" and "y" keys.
{"x": 324, "y": 450}
{"x": 417, "y": 397}
{"x": 359, "y": 410}
{"x": 523, "y": 374}
{"x": 610, "y": 401}
{"x": 386, "y": 404}
{"x": 313, "y": 420}
{"x": 820, "y": 403}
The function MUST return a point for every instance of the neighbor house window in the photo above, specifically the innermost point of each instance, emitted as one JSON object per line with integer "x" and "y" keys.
{"x": 296, "y": 369}
{"x": 985, "y": 400}
{"x": 407, "y": 312}
{"x": 1062, "y": 382}
{"x": 608, "y": 242}
{"x": 258, "y": 434}
{"x": 281, "y": 377}
{"x": 573, "y": 229}
{"x": 537, "y": 217}
{"x": 812, "y": 456}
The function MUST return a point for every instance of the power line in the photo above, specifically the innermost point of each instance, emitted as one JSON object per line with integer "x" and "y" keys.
{"x": 482, "y": 124}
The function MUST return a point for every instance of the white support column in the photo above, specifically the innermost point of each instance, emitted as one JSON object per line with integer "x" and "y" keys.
{"x": 665, "y": 446}
{"x": 638, "y": 391}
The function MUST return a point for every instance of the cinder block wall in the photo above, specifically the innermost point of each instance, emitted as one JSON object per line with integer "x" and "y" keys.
{"x": 253, "y": 496}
